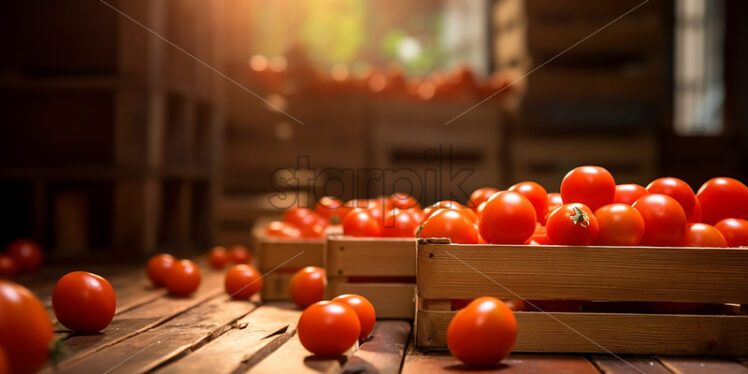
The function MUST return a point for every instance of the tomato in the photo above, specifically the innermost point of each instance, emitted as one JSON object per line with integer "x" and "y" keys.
{"x": 629, "y": 193}
{"x": 157, "y": 268}
{"x": 8, "y": 266}
{"x": 400, "y": 224}
{"x": 703, "y": 235}
{"x": 479, "y": 196}
{"x": 84, "y": 302}
{"x": 592, "y": 186}
{"x": 218, "y": 257}
{"x": 483, "y": 333}
{"x": 536, "y": 194}
{"x": 330, "y": 208}
{"x": 183, "y": 278}
{"x": 403, "y": 201}
{"x": 242, "y": 281}
{"x": 508, "y": 218}
{"x": 452, "y": 224}
{"x": 664, "y": 220}
{"x": 723, "y": 198}
{"x": 572, "y": 224}
{"x": 26, "y": 252}
{"x": 514, "y": 304}
{"x": 4, "y": 362}
{"x": 328, "y": 328}
{"x": 239, "y": 254}
{"x": 678, "y": 190}
{"x": 361, "y": 223}
{"x": 308, "y": 286}
{"x": 554, "y": 202}
{"x": 620, "y": 225}
{"x": 540, "y": 236}
{"x": 25, "y": 328}
{"x": 696, "y": 216}
{"x": 364, "y": 310}
{"x": 452, "y": 205}
{"x": 296, "y": 216}
{"x": 734, "y": 230}
{"x": 278, "y": 229}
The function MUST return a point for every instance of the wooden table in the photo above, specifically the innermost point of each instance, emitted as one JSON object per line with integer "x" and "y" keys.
{"x": 208, "y": 332}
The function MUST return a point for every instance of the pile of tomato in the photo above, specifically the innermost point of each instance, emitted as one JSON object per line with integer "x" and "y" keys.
{"x": 21, "y": 255}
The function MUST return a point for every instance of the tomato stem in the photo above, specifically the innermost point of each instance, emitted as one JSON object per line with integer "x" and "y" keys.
{"x": 580, "y": 217}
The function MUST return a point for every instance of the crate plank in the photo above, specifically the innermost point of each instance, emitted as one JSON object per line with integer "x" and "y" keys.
{"x": 151, "y": 348}
{"x": 629, "y": 364}
{"x": 255, "y": 337}
{"x": 383, "y": 352}
{"x": 390, "y": 300}
{"x": 702, "y": 365}
{"x": 292, "y": 357}
{"x": 379, "y": 257}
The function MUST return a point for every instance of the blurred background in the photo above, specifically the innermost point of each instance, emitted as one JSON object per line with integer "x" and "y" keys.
{"x": 134, "y": 126}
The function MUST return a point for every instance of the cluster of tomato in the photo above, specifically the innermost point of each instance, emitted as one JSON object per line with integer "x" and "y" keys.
{"x": 21, "y": 255}
{"x": 306, "y": 223}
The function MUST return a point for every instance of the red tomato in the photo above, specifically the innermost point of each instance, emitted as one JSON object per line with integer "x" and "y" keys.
{"x": 330, "y": 208}
{"x": 516, "y": 304}
{"x": 400, "y": 224}
{"x": 508, "y": 218}
{"x": 278, "y": 229}
{"x": 479, "y": 196}
{"x": 183, "y": 278}
{"x": 572, "y": 224}
{"x": 84, "y": 302}
{"x": 364, "y": 310}
{"x": 328, "y": 328}
{"x": 157, "y": 268}
{"x": 26, "y": 252}
{"x": 536, "y": 194}
{"x": 242, "y": 281}
{"x": 295, "y": 216}
{"x": 4, "y": 362}
{"x": 540, "y": 236}
{"x": 664, "y": 220}
{"x": 452, "y": 224}
{"x": 449, "y": 204}
{"x": 239, "y": 254}
{"x": 218, "y": 257}
{"x": 308, "y": 286}
{"x": 703, "y": 235}
{"x": 696, "y": 216}
{"x": 629, "y": 193}
{"x": 734, "y": 230}
{"x": 483, "y": 333}
{"x": 678, "y": 190}
{"x": 722, "y": 198}
{"x": 403, "y": 201}
{"x": 361, "y": 223}
{"x": 620, "y": 225}
{"x": 592, "y": 186}
{"x": 25, "y": 328}
{"x": 8, "y": 266}
{"x": 554, "y": 202}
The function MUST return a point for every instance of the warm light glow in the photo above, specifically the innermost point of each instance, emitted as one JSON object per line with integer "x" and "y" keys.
{"x": 409, "y": 48}
{"x": 258, "y": 63}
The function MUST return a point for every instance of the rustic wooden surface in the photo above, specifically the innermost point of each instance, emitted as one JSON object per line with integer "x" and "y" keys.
{"x": 208, "y": 332}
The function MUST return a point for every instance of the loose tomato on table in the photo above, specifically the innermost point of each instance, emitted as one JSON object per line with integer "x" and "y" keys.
{"x": 364, "y": 310}
{"x": 722, "y": 198}
{"x": 218, "y": 257}
{"x": 572, "y": 224}
{"x": 508, "y": 218}
{"x": 239, "y": 254}
{"x": 483, "y": 333}
{"x": 183, "y": 278}
{"x": 25, "y": 328}
{"x": 734, "y": 230}
{"x": 328, "y": 328}
{"x": 664, "y": 220}
{"x": 26, "y": 253}
{"x": 400, "y": 223}
{"x": 703, "y": 235}
{"x": 307, "y": 286}
{"x": 620, "y": 225}
{"x": 592, "y": 186}
{"x": 452, "y": 224}
{"x": 361, "y": 223}
{"x": 678, "y": 190}
{"x": 479, "y": 196}
{"x": 158, "y": 267}
{"x": 242, "y": 281}
{"x": 8, "y": 267}
{"x": 537, "y": 195}
{"x": 84, "y": 302}
{"x": 628, "y": 193}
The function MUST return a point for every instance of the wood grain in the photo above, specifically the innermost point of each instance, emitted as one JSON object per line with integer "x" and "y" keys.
{"x": 292, "y": 357}
{"x": 383, "y": 352}
{"x": 609, "y": 364}
{"x": 702, "y": 365}
{"x": 350, "y": 256}
{"x": 390, "y": 300}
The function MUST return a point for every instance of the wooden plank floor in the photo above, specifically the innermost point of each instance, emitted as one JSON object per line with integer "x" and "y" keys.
{"x": 209, "y": 332}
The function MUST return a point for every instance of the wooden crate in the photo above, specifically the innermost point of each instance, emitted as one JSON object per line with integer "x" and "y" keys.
{"x": 629, "y": 274}
{"x": 381, "y": 269}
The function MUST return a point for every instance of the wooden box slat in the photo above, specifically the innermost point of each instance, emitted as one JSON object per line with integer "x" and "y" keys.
{"x": 390, "y": 300}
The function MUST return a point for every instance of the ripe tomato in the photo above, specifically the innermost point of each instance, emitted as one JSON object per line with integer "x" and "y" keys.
{"x": 572, "y": 224}
{"x": 483, "y": 333}
{"x": 183, "y": 278}
{"x": 536, "y": 194}
{"x": 8, "y": 266}
{"x": 508, "y": 218}
{"x": 452, "y": 224}
{"x": 592, "y": 186}
{"x": 239, "y": 254}
{"x": 620, "y": 225}
{"x": 540, "y": 236}
{"x": 296, "y": 216}
{"x": 242, "y": 281}
{"x": 218, "y": 257}
{"x": 328, "y": 328}
{"x": 25, "y": 328}
{"x": 734, "y": 230}
{"x": 629, "y": 193}
{"x": 696, "y": 216}
{"x": 678, "y": 190}
{"x": 723, "y": 198}
{"x": 84, "y": 302}
{"x": 157, "y": 268}
{"x": 452, "y": 205}
{"x": 402, "y": 200}
{"x": 479, "y": 196}
{"x": 361, "y": 223}
{"x": 703, "y": 235}
{"x": 26, "y": 252}
{"x": 278, "y": 229}
{"x": 308, "y": 286}
{"x": 330, "y": 208}
{"x": 554, "y": 202}
{"x": 664, "y": 220}
{"x": 4, "y": 362}
{"x": 400, "y": 224}
{"x": 364, "y": 310}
